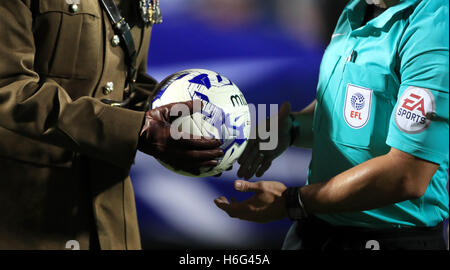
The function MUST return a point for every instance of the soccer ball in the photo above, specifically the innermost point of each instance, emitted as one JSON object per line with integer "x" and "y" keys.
{"x": 225, "y": 114}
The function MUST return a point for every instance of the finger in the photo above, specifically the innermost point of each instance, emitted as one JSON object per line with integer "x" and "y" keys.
{"x": 246, "y": 186}
{"x": 178, "y": 109}
{"x": 251, "y": 153}
{"x": 209, "y": 163}
{"x": 222, "y": 203}
{"x": 197, "y": 156}
{"x": 188, "y": 141}
{"x": 252, "y": 169}
{"x": 223, "y": 199}
{"x": 246, "y": 166}
{"x": 248, "y": 149}
{"x": 234, "y": 209}
{"x": 263, "y": 168}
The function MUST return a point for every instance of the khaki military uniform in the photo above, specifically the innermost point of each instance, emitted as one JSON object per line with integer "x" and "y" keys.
{"x": 64, "y": 155}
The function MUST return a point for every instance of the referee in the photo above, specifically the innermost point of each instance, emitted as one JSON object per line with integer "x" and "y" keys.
{"x": 378, "y": 130}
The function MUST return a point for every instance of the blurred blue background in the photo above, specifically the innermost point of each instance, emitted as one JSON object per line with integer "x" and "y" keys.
{"x": 271, "y": 50}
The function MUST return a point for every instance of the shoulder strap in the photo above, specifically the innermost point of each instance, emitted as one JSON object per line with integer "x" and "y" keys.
{"x": 122, "y": 29}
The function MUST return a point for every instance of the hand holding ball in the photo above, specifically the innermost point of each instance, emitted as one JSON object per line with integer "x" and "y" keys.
{"x": 224, "y": 114}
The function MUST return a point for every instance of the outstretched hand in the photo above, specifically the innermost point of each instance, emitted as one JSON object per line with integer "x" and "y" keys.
{"x": 265, "y": 205}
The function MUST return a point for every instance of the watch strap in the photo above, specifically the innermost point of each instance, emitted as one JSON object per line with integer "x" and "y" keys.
{"x": 294, "y": 204}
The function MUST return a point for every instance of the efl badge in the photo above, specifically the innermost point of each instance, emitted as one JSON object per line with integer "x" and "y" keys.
{"x": 414, "y": 109}
{"x": 357, "y": 106}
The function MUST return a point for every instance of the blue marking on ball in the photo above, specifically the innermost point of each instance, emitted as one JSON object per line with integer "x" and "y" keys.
{"x": 201, "y": 79}
{"x": 201, "y": 96}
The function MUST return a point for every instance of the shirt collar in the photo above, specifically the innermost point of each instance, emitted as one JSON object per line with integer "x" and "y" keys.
{"x": 357, "y": 8}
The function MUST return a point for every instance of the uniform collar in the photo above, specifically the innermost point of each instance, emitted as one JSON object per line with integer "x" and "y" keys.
{"x": 356, "y": 10}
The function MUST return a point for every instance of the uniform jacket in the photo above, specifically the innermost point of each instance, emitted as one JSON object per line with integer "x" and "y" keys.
{"x": 64, "y": 155}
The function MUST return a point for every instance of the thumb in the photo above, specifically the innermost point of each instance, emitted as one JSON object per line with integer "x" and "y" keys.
{"x": 246, "y": 186}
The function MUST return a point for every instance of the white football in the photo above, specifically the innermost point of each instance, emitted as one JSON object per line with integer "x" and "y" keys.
{"x": 225, "y": 114}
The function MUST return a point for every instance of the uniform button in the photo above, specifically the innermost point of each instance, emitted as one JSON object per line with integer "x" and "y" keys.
{"x": 115, "y": 40}
{"x": 109, "y": 87}
{"x": 73, "y": 8}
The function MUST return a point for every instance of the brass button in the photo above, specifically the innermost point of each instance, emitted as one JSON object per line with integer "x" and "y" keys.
{"x": 109, "y": 87}
{"x": 115, "y": 41}
{"x": 73, "y": 8}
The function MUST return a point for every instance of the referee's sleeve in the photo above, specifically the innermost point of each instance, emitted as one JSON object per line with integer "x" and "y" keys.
{"x": 419, "y": 123}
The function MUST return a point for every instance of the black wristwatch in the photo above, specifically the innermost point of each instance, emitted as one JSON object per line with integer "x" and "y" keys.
{"x": 294, "y": 204}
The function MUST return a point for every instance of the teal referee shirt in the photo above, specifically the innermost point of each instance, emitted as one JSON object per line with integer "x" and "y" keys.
{"x": 383, "y": 85}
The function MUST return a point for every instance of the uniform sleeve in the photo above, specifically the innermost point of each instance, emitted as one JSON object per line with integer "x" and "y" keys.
{"x": 42, "y": 110}
{"x": 419, "y": 121}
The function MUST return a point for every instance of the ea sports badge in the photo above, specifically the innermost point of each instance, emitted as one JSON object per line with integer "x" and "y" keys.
{"x": 412, "y": 109}
{"x": 358, "y": 101}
